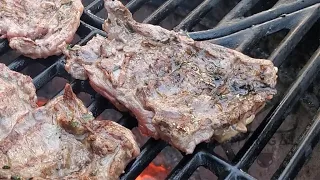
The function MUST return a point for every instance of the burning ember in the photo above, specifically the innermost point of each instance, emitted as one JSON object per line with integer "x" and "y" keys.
{"x": 153, "y": 172}
{"x": 41, "y": 101}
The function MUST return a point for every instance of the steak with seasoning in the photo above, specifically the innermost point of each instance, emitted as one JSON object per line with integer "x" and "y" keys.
{"x": 62, "y": 141}
{"x": 180, "y": 90}
{"x": 38, "y": 29}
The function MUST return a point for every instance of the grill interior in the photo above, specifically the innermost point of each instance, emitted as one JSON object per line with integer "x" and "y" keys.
{"x": 284, "y": 31}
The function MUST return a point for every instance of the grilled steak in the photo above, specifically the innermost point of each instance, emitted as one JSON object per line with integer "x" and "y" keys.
{"x": 62, "y": 141}
{"x": 180, "y": 90}
{"x": 17, "y": 98}
{"x": 39, "y": 28}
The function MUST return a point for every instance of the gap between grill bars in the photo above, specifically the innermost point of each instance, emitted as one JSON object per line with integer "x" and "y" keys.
{"x": 298, "y": 23}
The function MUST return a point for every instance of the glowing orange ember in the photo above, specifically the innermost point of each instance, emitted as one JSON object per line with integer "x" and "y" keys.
{"x": 41, "y": 101}
{"x": 153, "y": 172}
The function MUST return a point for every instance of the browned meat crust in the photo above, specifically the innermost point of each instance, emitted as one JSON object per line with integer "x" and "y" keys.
{"x": 59, "y": 140}
{"x": 180, "y": 90}
{"x": 38, "y": 29}
{"x": 17, "y": 98}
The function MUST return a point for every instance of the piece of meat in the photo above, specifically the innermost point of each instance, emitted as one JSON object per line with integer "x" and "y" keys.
{"x": 62, "y": 141}
{"x": 180, "y": 90}
{"x": 40, "y": 28}
{"x": 17, "y": 98}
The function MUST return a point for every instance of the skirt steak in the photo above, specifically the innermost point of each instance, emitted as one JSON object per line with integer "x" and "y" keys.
{"x": 60, "y": 140}
{"x": 180, "y": 90}
{"x": 39, "y": 28}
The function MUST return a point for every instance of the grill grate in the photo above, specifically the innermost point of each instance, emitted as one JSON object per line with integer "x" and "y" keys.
{"x": 298, "y": 17}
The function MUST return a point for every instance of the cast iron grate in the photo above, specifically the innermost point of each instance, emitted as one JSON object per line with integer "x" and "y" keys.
{"x": 241, "y": 34}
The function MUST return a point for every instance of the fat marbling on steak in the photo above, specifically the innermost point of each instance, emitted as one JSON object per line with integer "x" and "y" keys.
{"x": 38, "y": 28}
{"x": 59, "y": 140}
{"x": 180, "y": 90}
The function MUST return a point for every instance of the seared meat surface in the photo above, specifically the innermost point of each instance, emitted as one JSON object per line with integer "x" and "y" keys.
{"x": 59, "y": 140}
{"x": 39, "y": 28}
{"x": 17, "y": 98}
{"x": 180, "y": 90}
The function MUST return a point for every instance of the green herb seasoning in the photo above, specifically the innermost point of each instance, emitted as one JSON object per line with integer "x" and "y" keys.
{"x": 6, "y": 167}
{"x": 115, "y": 68}
{"x": 87, "y": 117}
{"x": 74, "y": 124}
{"x": 69, "y": 47}
{"x": 67, "y": 3}
{"x": 15, "y": 177}
{"x": 74, "y": 48}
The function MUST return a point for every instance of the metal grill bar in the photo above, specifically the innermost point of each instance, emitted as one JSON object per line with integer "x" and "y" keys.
{"x": 268, "y": 127}
{"x": 162, "y": 12}
{"x": 4, "y": 46}
{"x": 299, "y": 153}
{"x": 221, "y": 30}
{"x": 90, "y": 11}
{"x": 194, "y": 17}
{"x": 239, "y": 10}
{"x": 294, "y": 37}
{"x": 149, "y": 151}
{"x": 259, "y": 31}
{"x": 228, "y": 150}
{"x": 298, "y": 22}
{"x": 47, "y": 75}
{"x": 259, "y": 18}
{"x": 210, "y": 160}
{"x": 97, "y": 107}
{"x": 186, "y": 167}
{"x": 20, "y": 63}
{"x": 134, "y": 5}
{"x": 84, "y": 86}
